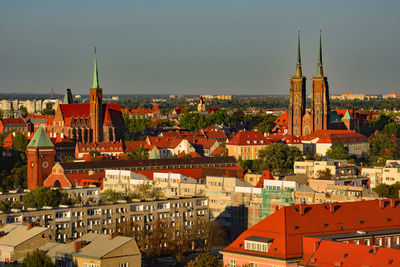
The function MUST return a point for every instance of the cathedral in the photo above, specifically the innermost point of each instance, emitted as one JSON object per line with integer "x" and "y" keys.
{"x": 93, "y": 122}
{"x": 301, "y": 121}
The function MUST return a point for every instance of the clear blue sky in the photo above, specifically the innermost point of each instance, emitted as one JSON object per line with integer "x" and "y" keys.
{"x": 194, "y": 47}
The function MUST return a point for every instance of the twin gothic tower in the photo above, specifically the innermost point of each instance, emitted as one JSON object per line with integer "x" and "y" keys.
{"x": 301, "y": 121}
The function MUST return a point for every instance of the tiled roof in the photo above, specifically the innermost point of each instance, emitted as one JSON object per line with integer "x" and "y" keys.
{"x": 13, "y": 121}
{"x": 133, "y": 145}
{"x": 101, "y": 147}
{"x": 246, "y": 138}
{"x": 220, "y": 151}
{"x": 288, "y": 225}
{"x": 332, "y": 136}
{"x": 266, "y": 175}
{"x": 164, "y": 142}
{"x": 282, "y": 119}
{"x": 331, "y": 253}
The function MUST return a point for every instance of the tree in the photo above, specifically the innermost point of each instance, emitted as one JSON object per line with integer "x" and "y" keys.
{"x": 192, "y": 121}
{"x": 389, "y": 191}
{"x": 264, "y": 127}
{"x": 324, "y": 173}
{"x": 338, "y": 151}
{"x": 279, "y": 157}
{"x": 205, "y": 260}
{"x": 43, "y": 196}
{"x": 383, "y": 147}
{"x": 24, "y": 111}
{"x": 20, "y": 142}
{"x": 146, "y": 190}
{"x": 110, "y": 195}
{"x": 94, "y": 153}
{"x": 48, "y": 111}
{"x": 37, "y": 258}
{"x": 139, "y": 153}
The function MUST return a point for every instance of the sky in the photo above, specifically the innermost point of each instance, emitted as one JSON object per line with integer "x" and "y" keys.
{"x": 197, "y": 47}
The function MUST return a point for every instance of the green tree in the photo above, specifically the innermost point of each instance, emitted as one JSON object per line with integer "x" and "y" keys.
{"x": 205, "y": 260}
{"x": 264, "y": 127}
{"x": 48, "y": 111}
{"x": 192, "y": 121}
{"x": 338, "y": 151}
{"x": 110, "y": 195}
{"x": 24, "y": 111}
{"x": 139, "y": 154}
{"x": 389, "y": 191}
{"x": 280, "y": 157}
{"x": 37, "y": 258}
{"x": 20, "y": 142}
{"x": 94, "y": 153}
{"x": 383, "y": 147}
{"x": 324, "y": 173}
{"x": 43, "y": 196}
{"x": 146, "y": 190}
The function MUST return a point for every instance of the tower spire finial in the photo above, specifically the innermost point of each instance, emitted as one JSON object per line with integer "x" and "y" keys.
{"x": 95, "y": 72}
{"x": 320, "y": 70}
{"x": 298, "y": 64}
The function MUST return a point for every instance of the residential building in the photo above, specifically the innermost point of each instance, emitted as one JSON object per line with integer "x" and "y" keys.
{"x": 123, "y": 181}
{"x": 16, "y": 240}
{"x": 388, "y": 174}
{"x": 312, "y": 168}
{"x": 70, "y": 222}
{"x": 246, "y": 145}
{"x": 278, "y": 239}
{"x": 13, "y": 125}
{"x": 95, "y": 250}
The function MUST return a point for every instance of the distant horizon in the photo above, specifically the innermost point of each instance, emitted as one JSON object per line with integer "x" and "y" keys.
{"x": 188, "y": 47}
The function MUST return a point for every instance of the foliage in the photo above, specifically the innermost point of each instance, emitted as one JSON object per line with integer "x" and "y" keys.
{"x": 338, "y": 151}
{"x": 37, "y": 258}
{"x": 43, "y": 196}
{"x": 20, "y": 142}
{"x": 389, "y": 191}
{"x": 205, "y": 260}
{"x": 324, "y": 173}
{"x": 383, "y": 147}
{"x": 376, "y": 124}
{"x": 139, "y": 154}
{"x": 264, "y": 127}
{"x": 94, "y": 153}
{"x": 146, "y": 190}
{"x": 24, "y": 111}
{"x": 15, "y": 179}
{"x": 110, "y": 195}
{"x": 192, "y": 121}
{"x": 7, "y": 205}
{"x": 279, "y": 157}
{"x": 48, "y": 111}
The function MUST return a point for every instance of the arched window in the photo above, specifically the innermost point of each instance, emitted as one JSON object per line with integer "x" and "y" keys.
{"x": 57, "y": 184}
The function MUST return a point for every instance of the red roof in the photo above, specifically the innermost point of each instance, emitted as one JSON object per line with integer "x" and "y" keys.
{"x": 100, "y": 147}
{"x": 133, "y": 145}
{"x": 332, "y": 136}
{"x": 282, "y": 119}
{"x": 331, "y": 253}
{"x": 246, "y": 138}
{"x": 288, "y": 225}
{"x": 13, "y": 121}
{"x": 220, "y": 151}
{"x": 266, "y": 175}
{"x": 164, "y": 142}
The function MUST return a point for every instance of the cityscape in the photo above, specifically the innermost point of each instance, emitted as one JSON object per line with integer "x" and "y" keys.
{"x": 155, "y": 134}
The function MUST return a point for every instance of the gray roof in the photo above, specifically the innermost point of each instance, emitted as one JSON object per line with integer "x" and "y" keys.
{"x": 98, "y": 246}
{"x": 16, "y": 234}
{"x": 259, "y": 239}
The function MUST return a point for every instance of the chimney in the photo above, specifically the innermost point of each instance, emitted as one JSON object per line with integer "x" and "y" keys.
{"x": 112, "y": 235}
{"x": 78, "y": 245}
{"x": 381, "y": 203}
{"x": 392, "y": 203}
{"x": 29, "y": 226}
{"x": 331, "y": 208}
{"x": 301, "y": 209}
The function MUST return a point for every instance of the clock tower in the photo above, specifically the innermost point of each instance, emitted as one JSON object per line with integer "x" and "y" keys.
{"x": 40, "y": 154}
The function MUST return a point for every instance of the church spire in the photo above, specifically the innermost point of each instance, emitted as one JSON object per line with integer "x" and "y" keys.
{"x": 95, "y": 73}
{"x": 320, "y": 70}
{"x": 298, "y": 64}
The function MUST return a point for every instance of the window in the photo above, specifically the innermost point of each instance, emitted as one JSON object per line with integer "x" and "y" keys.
{"x": 367, "y": 242}
{"x": 379, "y": 242}
{"x": 357, "y": 242}
{"x": 232, "y": 263}
{"x": 123, "y": 264}
{"x": 387, "y": 242}
{"x": 90, "y": 265}
{"x": 396, "y": 240}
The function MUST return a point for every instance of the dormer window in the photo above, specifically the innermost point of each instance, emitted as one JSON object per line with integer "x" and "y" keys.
{"x": 262, "y": 141}
{"x": 258, "y": 243}
{"x": 248, "y": 141}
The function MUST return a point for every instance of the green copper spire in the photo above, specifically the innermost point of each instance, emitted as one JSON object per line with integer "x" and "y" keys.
{"x": 298, "y": 64}
{"x": 95, "y": 73}
{"x": 320, "y": 70}
{"x": 40, "y": 139}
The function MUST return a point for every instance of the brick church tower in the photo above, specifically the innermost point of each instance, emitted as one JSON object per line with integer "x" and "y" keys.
{"x": 297, "y": 104}
{"x": 40, "y": 154}
{"x": 320, "y": 96}
{"x": 96, "y": 106}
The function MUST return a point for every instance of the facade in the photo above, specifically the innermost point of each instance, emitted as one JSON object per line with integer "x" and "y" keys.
{"x": 388, "y": 174}
{"x": 278, "y": 239}
{"x": 123, "y": 181}
{"x": 93, "y": 122}
{"x": 311, "y": 168}
{"x": 247, "y": 144}
{"x": 70, "y": 222}
{"x": 13, "y": 125}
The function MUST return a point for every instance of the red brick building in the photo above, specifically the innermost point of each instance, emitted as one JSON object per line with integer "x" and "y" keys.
{"x": 13, "y": 125}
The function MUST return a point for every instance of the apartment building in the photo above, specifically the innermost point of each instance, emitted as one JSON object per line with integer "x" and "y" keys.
{"x": 123, "y": 181}
{"x": 70, "y": 222}
{"x": 247, "y": 144}
{"x": 176, "y": 184}
{"x": 388, "y": 174}
{"x": 278, "y": 239}
{"x": 336, "y": 167}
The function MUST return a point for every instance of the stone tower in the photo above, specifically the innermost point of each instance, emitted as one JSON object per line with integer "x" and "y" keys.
{"x": 96, "y": 97}
{"x": 40, "y": 154}
{"x": 297, "y": 104}
{"x": 320, "y": 96}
